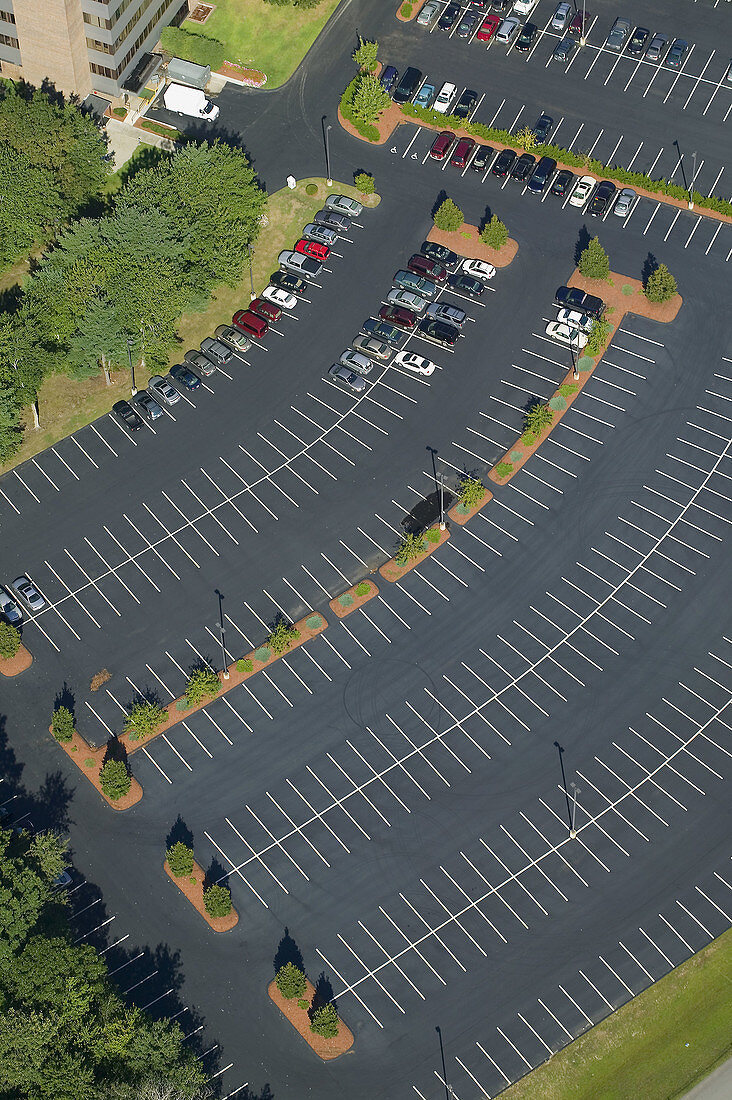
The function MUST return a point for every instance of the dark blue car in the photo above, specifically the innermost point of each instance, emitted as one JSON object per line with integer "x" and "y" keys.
{"x": 389, "y": 78}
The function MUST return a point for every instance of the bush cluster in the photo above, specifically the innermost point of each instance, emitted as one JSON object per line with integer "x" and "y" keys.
{"x": 143, "y": 719}
{"x": 363, "y": 588}
{"x": 62, "y": 724}
{"x": 536, "y": 419}
{"x": 244, "y": 664}
{"x": 598, "y": 337}
{"x": 366, "y": 130}
{"x": 203, "y": 683}
{"x": 282, "y": 637}
{"x": 324, "y": 1021}
{"x": 503, "y": 469}
{"x": 9, "y": 640}
{"x": 472, "y": 491}
{"x": 364, "y": 183}
{"x": 410, "y": 548}
{"x": 290, "y": 981}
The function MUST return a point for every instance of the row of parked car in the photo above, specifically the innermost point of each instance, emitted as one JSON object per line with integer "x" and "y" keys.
{"x": 411, "y": 306}
{"x": 577, "y": 312}
{"x": 250, "y": 324}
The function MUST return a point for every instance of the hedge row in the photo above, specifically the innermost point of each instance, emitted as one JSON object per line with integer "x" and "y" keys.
{"x": 564, "y": 156}
{"x": 365, "y": 129}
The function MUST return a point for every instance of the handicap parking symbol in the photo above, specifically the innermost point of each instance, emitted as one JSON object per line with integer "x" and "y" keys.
{"x": 393, "y": 149}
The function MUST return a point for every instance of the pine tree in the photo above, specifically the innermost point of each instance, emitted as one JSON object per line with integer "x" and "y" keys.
{"x": 448, "y": 216}
{"x": 369, "y": 99}
{"x": 660, "y": 285}
{"x": 594, "y": 262}
{"x": 494, "y": 233}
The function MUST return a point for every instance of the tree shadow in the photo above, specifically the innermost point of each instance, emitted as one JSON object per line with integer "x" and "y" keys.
{"x": 251, "y": 1094}
{"x": 438, "y": 202}
{"x": 115, "y": 750}
{"x": 145, "y": 695}
{"x": 650, "y": 266}
{"x": 583, "y": 239}
{"x": 65, "y": 698}
{"x": 288, "y": 952}
{"x": 50, "y": 806}
{"x": 485, "y": 219}
{"x": 216, "y": 875}
{"x": 10, "y": 298}
{"x": 179, "y": 834}
{"x": 323, "y": 993}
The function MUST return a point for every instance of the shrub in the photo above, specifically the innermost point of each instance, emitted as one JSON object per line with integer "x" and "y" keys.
{"x": 536, "y": 419}
{"x": 363, "y": 588}
{"x": 217, "y": 901}
{"x": 472, "y": 491}
{"x": 180, "y": 859}
{"x": 115, "y": 779}
{"x": 99, "y": 679}
{"x": 526, "y": 139}
{"x": 406, "y": 10}
{"x": 660, "y": 285}
{"x": 325, "y": 1022}
{"x": 193, "y": 47}
{"x": 585, "y": 363}
{"x": 311, "y": 188}
{"x": 302, "y": 1003}
{"x": 627, "y": 289}
{"x": 448, "y": 216}
{"x": 89, "y": 762}
{"x": 244, "y": 664}
{"x": 366, "y": 130}
{"x": 557, "y": 403}
{"x": 433, "y": 535}
{"x": 494, "y": 233}
{"x": 182, "y": 704}
{"x": 314, "y": 622}
{"x": 411, "y": 547}
{"x": 346, "y": 600}
{"x": 598, "y": 337}
{"x": 290, "y": 981}
{"x": 157, "y": 128}
{"x": 263, "y": 654}
{"x": 144, "y": 719}
{"x": 9, "y": 640}
{"x": 365, "y": 55}
{"x": 282, "y": 637}
{"x": 203, "y": 683}
{"x": 516, "y": 455}
{"x": 594, "y": 262}
{"x": 62, "y": 724}
{"x": 364, "y": 183}
{"x": 567, "y": 388}
{"x": 119, "y": 112}
{"x": 503, "y": 469}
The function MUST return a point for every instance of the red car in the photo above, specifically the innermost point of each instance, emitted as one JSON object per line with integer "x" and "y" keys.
{"x": 397, "y": 315}
{"x": 266, "y": 309}
{"x": 441, "y": 145}
{"x": 579, "y": 23}
{"x": 430, "y": 269}
{"x": 488, "y": 28}
{"x": 462, "y": 153}
{"x": 313, "y": 248}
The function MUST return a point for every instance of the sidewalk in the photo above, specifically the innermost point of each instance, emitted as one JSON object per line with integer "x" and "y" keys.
{"x": 717, "y": 1086}
{"x": 124, "y": 139}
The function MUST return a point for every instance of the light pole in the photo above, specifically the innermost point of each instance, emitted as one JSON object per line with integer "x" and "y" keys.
{"x": 329, "y": 181}
{"x": 691, "y": 185}
{"x": 130, "y": 345}
{"x": 575, "y": 372}
{"x": 252, "y": 295}
{"x": 224, "y": 665}
{"x": 583, "y": 40}
{"x": 572, "y": 830}
{"x": 442, "y": 501}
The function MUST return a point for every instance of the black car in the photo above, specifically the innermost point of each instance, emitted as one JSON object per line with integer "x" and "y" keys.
{"x": 466, "y": 284}
{"x": 482, "y": 155}
{"x": 504, "y": 162}
{"x": 637, "y": 43}
{"x": 564, "y": 49}
{"x": 541, "y": 175}
{"x": 388, "y": 78}
{"x": 465, "y": 104}
{"x": 380, "y": 330}
{"x": 285, "y": 280}
{"x": 562, "y": 182}
{"x": 467, "y": 24}
{"x": 185, "y": 377}
{"x": 523, "y": 167}
{"x": 602, "y": 198}
{"x": 526, "y": 39}
{"x": 571, "y": 297}
{"x": 407, "y": 86}
{"x": 439, "y": 332}
{"x": 501, "y": 5}
{"x": 438, "y": 252}
{"x": 127, "y": 415}
{"x": 543, "y": 128}
{"x": 448, "y": 19}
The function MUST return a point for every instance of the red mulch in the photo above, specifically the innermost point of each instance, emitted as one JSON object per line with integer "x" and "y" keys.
{"x": 240, "y": 72}
{"x": 194, "y": 892}
{"x": 390, "y": 571}
{"x": 341, "y": 611}
{"x": 79, "y": 750}
{"x": 327, "y": 1049}
{"x": 12, "y": 666}
{"x": 200, "y": 13}
{"x": 417, "y": 6}
{"x": 462, "y": 518}
{"x": 466, "y": 242}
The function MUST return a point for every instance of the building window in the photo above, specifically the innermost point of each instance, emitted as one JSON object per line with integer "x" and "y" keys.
{"x": 8, "y": 41}
{"x": 113, "y": 47}
{"x": 7, "y": 17}
{"x": 102, "y": 70}
{"x": 97, "y": 21}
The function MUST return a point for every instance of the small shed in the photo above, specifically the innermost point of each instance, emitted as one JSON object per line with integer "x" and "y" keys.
{"x": 186, "y": 72}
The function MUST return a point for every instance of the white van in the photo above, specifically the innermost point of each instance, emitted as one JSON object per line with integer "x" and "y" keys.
{"x": 189, "y": 101}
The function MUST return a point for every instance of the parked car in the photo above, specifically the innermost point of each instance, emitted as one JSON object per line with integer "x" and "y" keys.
{"x": 467, "y": 24}
{"x": 390, "y": 75}
{"x": 482, "y": 155}
{"x": 619, "y": 32}
{"x": 461, "y": 152}
{"x": 466, "y": 104}
{"x": 561, "y": 17}
{"x": 574, "y": 298}
{"x": 602, "y": 198}
{"x": 488, "y": 28}
{"x": 637, "y": 42}
{"x": 381, "y": 330}
{"x": 445, "y": 311}
{"x": 313, "y": 249}
{"x": 432, "y": 269}
{"x": 565, "y": 334}
{"x": 407, "y": 299}
{"x": 279, "y": 297}
{"x": 543, "y": 128}
{"x": 29, "y": 594}
{"x": 320, "y": 233}
{"x": 200, "y": 362}
{"x": 524, "y": 7}
{"x": 583, "y": 189}
{"x": 677, "y": 53}
{"x": 149, "y": 405}
{"x": 409, "y": 280}
{"x": 298, "y": 264}
{"x": 564, "y": 50}
{"x": 343, "y": 205}
{"x": 501, "y": 5}
{"x": 9, "y": 609}
{"x": 163, "y": 390}
{"x": 217, "y": 352}
{"x": 579, "y": 23}
{"x": 523, "y": 167}
{"x": 425, "y": 95}
{"x": 466, "y": 284}
{"x": 124, "y": 412}
{"x": 416, "y": 363}
{"x": 355, "y": 360}
{"x": 399, "y": 316}
{"x": 441, "y": 145}
{"x": 526, "y": 38}
{"x": 479, "y": 269}
{"x": 266, "y": 309}
{"x": 507, "y": 30}
{"x": 428, "y": 13}
{"x": 285, "y": 280}
{"x": 369, "y": 345}
{"x": 444, "y": 99}
{"x": 184, "y": 376}
{"x": 439, "y": 332}
{"x": 332, "y": 220}
{"x": 347, "y": 378}
{"x": 575, "y": 319}
{"x": 623, "y": 202}
{"x": 438, "y": 252}
{"x": 657, "y": 46}
{"x": 503, "y": 162}
{"x": 541, "y": 175}
{"x": 405, "y": 89}
{"x": 449, "y": 17}
{"x": 236, "y": 339}
{"x": 562, "y": 182}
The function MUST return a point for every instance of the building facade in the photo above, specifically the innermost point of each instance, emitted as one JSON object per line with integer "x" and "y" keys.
{"x": 81, "y": 46}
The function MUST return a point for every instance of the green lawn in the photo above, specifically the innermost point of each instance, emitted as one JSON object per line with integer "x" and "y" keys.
{"x": 265, "y": 36}
{"x": 656, "y": 1047}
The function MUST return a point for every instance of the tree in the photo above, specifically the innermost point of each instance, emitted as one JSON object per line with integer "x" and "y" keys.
{"x": 369, "y": 99}
{"x": 62, "y": 724}
{"x": 282, "y": 637}
{"x": 660, "y": 285}
{"x": 410, "y": 548}
{"x": 180, "y": 859}
{"x": 291, "y": 981}
{"x": 143, "y": 719}
{"x": 30, "y": 204}
{"x": 448, "y": 216}
{"x": 9, "y": 640}
{"x": 324, "y": 1021}
{"x": 536, "y": 419}
{"x": 115, "y": 779}
{"x": 526, "y": 139}
{"x": 494, "y": 233}
{"x": 594, "y": 262}
{"x": 99, "y": 339}
{"x": 364, "y": 183}
{"x": 203, "y": 683}
{"x": 472, "y": 491}
{"x": 217, "y": 901}
{"x": 25, "y": 889}
{"x": 597, "y": 338}
{"x": 365, "y": 55}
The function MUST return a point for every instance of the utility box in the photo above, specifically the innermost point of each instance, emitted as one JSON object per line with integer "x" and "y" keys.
{"x": 186, "y": 72}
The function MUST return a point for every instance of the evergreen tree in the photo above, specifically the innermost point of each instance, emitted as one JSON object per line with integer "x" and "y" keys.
{"x": 594, "y": 262}
{"x": 369, "y": 99}
{"x": 448, "y": 216}
{"x": 660, "y": 285}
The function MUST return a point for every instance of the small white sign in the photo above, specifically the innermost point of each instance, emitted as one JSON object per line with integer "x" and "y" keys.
{"x": 291, "y": 182}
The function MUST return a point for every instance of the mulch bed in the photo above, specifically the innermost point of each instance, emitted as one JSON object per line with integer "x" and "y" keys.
{"x": 13, "y": 666}
{"x": 417, "y": 6}
{"x": 357, "y": 601}
{"x": 194, "y": 892}
{"x": 611, "y": 293}
{"x": 79, "y": 750}
{"x": 255, "y": 78}
{"x": 466, "y": 242}
{"x": 200, "y": 13}
{"x": 327, "y": 1049}
{"x": 391, "y": 571}
{"x": 461, "y": 517}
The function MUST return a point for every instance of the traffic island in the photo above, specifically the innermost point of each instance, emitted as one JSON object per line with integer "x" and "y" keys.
{"x": 90, "y": 762}
{"x": 460, "y": 513}
{"x": 409, "y": 10}
{"x": 13, "y": 666}
{"x": 192, "y": 887}
{"x": 466, "y": 242}
{"x": 326, "y": 1048}
{"x": 621, "y": 295}
{"x": 353, "y": 598}
{"x": 420, "y": 548}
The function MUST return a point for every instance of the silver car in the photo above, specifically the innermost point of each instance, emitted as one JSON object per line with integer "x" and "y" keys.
{"x": 320, "y": 233}
{"x": 200, "y": 361}
{"x": 443, "y": 311}
{"x": 347, "y": 378}
{"x": 235, "y": 337}
{"x": 163, "y": 390}
{"x": 428, "y": 13}
{"x": 356, "y": 361}
{"x": 623, "y": 202}
{"x": 407, "y": 299}
{"x": 216, "y": 351}
{"x": 368, "y": 345}
{"x": 9, "y": 608}
{"x": 28, "y": 593}
{"x": 656, "y": 48}
{"x": 343, "y": 205}
{"x": 561, "y": 17}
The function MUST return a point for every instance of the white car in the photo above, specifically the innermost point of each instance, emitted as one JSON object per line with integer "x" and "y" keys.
{"x": 416, "y": 363}
{"x": 524, "y": 7}
{"x": 279, "y": 297}
{"x": 575, "y": 319}
{"x": 445, "y": 96}
{"x": 582, "y": 191}
{"x": 479, "y": 269}
{"x": 507, "y": 30}
{"x": 561, "y": 17}
{"x": 565, "y": 334}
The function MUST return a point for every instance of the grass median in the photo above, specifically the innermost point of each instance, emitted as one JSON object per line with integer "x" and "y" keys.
{"x": 656, "y": 1047}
